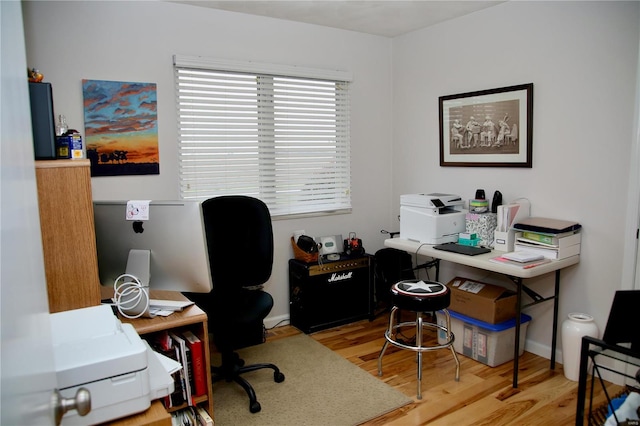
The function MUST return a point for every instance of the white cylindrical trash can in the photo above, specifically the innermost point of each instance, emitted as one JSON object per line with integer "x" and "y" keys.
{"x": 574, "y": 328}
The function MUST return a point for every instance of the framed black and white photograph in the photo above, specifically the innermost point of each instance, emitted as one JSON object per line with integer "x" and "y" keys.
{"x": 488, "y": 128}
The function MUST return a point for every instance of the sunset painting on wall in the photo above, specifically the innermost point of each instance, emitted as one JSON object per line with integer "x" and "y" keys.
{"x": 121, "y": 127}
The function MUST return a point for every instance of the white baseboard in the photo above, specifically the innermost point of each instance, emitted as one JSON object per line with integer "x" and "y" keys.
{"x": 279, "y": 320}
{"x": 544, "y": 351}
{"x": 541, "y": 350}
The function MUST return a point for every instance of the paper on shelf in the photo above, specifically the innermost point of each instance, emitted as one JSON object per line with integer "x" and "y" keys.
{"x": 170, "y": 365}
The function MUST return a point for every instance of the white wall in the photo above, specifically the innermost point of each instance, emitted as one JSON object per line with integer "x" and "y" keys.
{"x": 135, "y": 41}
{"x": 582, "y": 58}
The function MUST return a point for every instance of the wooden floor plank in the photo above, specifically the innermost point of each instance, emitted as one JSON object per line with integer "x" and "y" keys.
{"x": 483, "y": 396}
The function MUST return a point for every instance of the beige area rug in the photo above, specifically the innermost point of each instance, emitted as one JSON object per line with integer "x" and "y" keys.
{"x": 320, "y": 388}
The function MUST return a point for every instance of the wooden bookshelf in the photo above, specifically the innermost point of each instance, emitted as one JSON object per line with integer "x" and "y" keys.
{"x": 192, "y": 318}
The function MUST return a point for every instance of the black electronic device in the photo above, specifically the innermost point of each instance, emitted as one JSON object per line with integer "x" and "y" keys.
{"x": 353, "y": 246}
{"x": 460, "y": 249}
{"x": 307, "y": 244}
{"x": 326, "y": 295}
{"x": 42, "y": 121}
{"x": 497, "y": 201}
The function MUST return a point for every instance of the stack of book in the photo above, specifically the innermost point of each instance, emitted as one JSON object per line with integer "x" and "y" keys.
{"x": 190, "y": 380}
{"x": 552, "y": 239}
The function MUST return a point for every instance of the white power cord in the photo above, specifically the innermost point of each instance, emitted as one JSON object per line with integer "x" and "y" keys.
{"x": 131, "y": 297}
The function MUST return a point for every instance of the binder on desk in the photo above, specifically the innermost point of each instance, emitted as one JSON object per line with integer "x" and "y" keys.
{"x": 546, "y": 225}
{"x": 548, "y": 241}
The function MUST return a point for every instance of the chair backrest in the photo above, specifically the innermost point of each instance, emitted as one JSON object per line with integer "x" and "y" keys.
{"x": 391, "y": 265}
{"x": 621, "y": 325}
{"x": 239, "y": 241}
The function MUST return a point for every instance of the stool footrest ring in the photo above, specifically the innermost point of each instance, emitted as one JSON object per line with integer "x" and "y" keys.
{"x": 394, "y": 342}
{"x": 419, "y": 325}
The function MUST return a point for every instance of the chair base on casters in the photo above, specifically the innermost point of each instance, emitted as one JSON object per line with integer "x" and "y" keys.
{"x": 233, "y": 373}
{"x": 418, "y": 302}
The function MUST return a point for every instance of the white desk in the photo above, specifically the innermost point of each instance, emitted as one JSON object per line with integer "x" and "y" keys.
{"x": 516, "y": 275}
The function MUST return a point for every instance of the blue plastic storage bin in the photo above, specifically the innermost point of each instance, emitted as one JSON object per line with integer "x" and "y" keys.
{"x": 490, "y": 344}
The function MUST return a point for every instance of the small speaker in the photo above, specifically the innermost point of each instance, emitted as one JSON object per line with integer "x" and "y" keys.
{"x": 43, "y": 121}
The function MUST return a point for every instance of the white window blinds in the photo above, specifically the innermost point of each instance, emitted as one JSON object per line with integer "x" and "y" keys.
{"x": 282, "y": 136}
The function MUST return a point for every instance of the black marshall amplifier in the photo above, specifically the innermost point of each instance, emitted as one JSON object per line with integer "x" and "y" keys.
{"x": 326, "y": 295}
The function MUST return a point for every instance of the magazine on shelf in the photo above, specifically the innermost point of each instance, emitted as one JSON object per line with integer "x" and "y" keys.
{"x": 182, "y": 353}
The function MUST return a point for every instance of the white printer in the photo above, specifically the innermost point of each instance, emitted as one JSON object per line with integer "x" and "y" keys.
{"x": 94, "y": 350}
{"x": 432, "y": 218}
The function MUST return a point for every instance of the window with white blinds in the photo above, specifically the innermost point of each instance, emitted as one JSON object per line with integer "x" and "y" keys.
{"x": 281, "y": 136}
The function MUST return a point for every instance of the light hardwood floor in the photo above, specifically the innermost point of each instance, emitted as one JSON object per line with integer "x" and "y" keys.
{"x": 483, "y": 396}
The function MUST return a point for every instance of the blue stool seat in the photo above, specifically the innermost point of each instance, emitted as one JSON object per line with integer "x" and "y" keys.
{"x": 419, "y": 296}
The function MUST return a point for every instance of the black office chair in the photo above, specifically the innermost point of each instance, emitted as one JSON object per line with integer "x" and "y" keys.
{"x": 240, "y": 245}
{"x": 391, "y": 266}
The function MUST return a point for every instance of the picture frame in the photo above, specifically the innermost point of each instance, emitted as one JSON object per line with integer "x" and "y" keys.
{"x": 487, "y": 128}
{"x": 121, "y": 127}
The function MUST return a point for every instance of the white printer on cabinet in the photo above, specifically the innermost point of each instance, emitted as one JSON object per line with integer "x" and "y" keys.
{"x": 93, "y": 350}
{"x": 432, "y": 218}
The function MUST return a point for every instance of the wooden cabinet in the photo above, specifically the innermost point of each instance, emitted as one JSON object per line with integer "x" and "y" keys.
{"x": 68, "y": 233}
{"x": 192, "y": 318}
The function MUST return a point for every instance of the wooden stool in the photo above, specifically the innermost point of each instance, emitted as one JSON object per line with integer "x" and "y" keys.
{"x": 419, "y": 296}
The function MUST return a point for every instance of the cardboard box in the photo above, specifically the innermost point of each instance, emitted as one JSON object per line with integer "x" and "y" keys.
{"x": 486, "y": 302}
{"x": 490, "y": 344}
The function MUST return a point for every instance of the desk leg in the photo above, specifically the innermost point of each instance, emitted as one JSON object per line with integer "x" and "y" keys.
{"x": 516, "y": 358}
{"x": 554, "y": 335}
{"x": 437, "y": 270}
{"x": 372, "y": 294}
{"x": 582, "y": 382}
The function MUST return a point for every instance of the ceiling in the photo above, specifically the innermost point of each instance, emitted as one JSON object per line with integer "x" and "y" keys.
{"x": 378, "y": 17}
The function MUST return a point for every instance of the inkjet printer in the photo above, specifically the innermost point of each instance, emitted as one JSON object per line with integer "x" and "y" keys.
{"x": 432, "y": 218}
{"x": 94, "y": 350}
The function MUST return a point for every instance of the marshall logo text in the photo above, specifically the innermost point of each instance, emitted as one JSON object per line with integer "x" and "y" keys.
{"x": 339, "y": 277}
